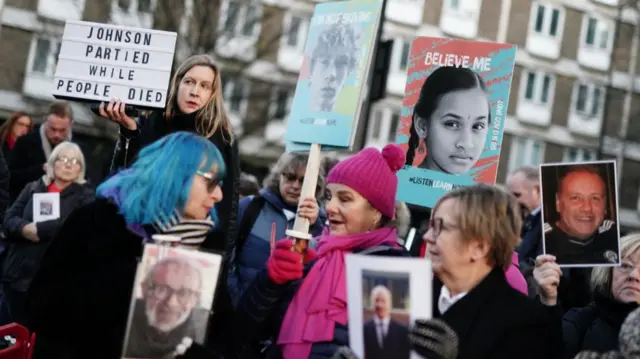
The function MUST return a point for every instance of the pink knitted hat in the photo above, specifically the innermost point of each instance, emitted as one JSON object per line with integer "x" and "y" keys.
{"x": 372, "y": 174}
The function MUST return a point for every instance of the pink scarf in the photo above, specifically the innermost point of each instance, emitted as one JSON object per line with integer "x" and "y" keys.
{"x": 321, "y": 300}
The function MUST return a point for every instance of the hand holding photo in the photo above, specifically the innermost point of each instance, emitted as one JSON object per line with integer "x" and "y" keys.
{"x": 46, "y": 206}
{"x": 580, "y": 213}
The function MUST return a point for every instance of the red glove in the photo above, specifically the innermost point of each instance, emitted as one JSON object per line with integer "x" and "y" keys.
{"x": 284, "y": 265}
{"x": 309, "y": 255}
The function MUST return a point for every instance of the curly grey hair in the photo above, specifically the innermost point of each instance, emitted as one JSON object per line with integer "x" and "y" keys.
{"x": 292, "y": 162}
{"x": 337, "y": 36}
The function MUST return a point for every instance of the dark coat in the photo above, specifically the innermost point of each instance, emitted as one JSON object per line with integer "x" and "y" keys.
{"x": 22, "y": 257}
{"x": 222, "y": 238}
{"x": 26, "y": 162}
{"x": 262, "y": 308}
{"x": 594, "y": 327}
{"x": 396, "y": 343}
{"x": 495, "y": 321}
{"x": 5, "y": 197}
{"x": 84, "y": 285}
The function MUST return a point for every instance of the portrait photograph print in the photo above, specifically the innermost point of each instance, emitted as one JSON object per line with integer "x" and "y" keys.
{"x": 172, "y": 299}
{"x": 452, "y": 117}
{"x": 46, "y": 206}
{"x": 333, "y": 72}
{"x": 390, "y": 293}
{"x": 580, "y": 213}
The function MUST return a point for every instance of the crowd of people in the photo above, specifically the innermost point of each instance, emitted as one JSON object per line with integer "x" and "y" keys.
{"x": 70, "y": 279}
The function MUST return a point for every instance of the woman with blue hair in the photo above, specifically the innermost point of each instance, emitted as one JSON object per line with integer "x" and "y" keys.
{"x": 80, "y": 297}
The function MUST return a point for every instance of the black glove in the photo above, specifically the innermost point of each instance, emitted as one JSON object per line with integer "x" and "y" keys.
{"x": 434, "y": 339}
{"x": 191, "y": 350}
{"x": 344, "y": 353}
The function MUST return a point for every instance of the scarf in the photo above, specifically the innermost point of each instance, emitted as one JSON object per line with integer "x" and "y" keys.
{"x": 321, "y": 300}
{"x": 191, "y": 232}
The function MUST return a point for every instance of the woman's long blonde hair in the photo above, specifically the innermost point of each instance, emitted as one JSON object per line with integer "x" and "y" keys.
{"x": 213, "y": 114}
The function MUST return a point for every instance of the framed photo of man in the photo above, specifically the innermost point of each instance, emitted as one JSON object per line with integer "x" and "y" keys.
{"x": 172, "y": 298}
{"x": 580, "y": 213}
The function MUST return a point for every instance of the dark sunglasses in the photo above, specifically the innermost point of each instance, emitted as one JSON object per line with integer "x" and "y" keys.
{"x": 212, "y": 180}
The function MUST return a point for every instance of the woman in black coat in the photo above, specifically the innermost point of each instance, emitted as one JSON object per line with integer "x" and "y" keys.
{"x": 27, "y": 239}
{"x": 195, "y": 104}
{"x": 616, "y": 293}
{"x": 471, "y": 238}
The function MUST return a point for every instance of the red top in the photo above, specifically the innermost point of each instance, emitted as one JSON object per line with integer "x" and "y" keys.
{"x": 53, "y": 188}
{"x": 11, "y": 141}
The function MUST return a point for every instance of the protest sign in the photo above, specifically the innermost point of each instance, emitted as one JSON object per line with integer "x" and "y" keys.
{"x": 98, "y": 62}
{"x": 334, "y": 75}
{"x": 580, "y": 213}
{"x": 395, "y": 291}
{"x": 453, "y": 115}
{"x": 185, "y": 276}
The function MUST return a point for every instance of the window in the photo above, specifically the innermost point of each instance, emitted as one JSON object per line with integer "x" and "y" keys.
{"x": 526, "y": 152}
{"x": 45, "y": 52}
{"x": 144, "y": 5}
{"x": 454, "y": 4}
{"x": 234, "y": 90}
{"x": 293, "y": 31}
{"x": 547, "y": 20}
{"x": 124, "y": 4}
{"x": 377, "y": 125}
{"x": 579, "y": 155}
{"x": 462, "y": 8}
{"x": 404, "y": 59}
{"x": 589, "y": 99}
{"x": 393, "y": 127}
{"x": 132, "y": 5}
{"x": 241, "y": 18}
{"x": 281, "y": 103}
{"x": 597, "y": 34}
{"x": 538, "y": 87}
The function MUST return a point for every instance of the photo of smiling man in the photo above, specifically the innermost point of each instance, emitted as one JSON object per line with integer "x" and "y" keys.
{"x": 580, "y": 211}
{"x": 334, "y": 57}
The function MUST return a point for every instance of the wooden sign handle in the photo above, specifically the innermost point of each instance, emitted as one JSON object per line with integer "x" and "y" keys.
{"x": 300, "y": 230}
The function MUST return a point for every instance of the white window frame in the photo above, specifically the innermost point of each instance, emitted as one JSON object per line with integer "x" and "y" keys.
{"x": 397, "y": 50}
{"x": 242, "y": 15}
{"x": 589, "y": 101}
{"x": 51, "y": 60}
{"x": 581, "y": 154}
{"x": 462, "y": 10}
{"x": 300, "y": 36}
{"x": 538, "y": 87}
{"x": 391, "y": 133}
{"x": 377, "y": 115}
{"x": 133, "y": 7}
{"x": 610, "y": 25}
{"x": 229, "y": 87}
{"x": 526, "y": 144}
{"x": 546, "y": 20}
{"x": 274, "y": 102}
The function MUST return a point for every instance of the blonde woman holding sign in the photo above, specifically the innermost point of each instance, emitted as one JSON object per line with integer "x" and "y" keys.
{"x": 194, "y": 104}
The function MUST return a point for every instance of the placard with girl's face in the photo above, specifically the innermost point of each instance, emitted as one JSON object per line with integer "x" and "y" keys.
{"x": 453, "y": 115}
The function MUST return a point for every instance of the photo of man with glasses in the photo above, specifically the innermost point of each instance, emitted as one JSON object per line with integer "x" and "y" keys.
{"x": 168, "y": 311}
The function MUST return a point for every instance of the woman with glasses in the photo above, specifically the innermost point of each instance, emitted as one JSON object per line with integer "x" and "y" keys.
{"x": 276, "y": 206}
{"x": 79, "y": 300}
{"x": 616, "y": 293}
{"x": 471, "y": 239}
{"x": 31, "y": 223}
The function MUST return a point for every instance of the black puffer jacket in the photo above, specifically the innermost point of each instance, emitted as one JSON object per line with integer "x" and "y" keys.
{"x": 22, "y": 256}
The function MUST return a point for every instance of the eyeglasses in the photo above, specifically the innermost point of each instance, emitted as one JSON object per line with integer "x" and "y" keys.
{"x": 164, "y": 292}
{"x": 68, "y": 160}
{"x": 626, "y": 267}
{"x": 290, "y": 177}
{"x": 212, "y": 181}
{"x": 437, "y": 225}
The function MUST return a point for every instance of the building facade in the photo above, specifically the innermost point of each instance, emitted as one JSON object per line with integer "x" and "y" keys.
{"x": 576, "y": 76}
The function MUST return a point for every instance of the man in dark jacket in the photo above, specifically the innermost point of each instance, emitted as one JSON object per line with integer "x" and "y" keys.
{"x": 31, "y": 151}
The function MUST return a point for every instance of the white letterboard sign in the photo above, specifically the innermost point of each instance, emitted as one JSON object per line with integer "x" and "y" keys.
{"x": 99, "y": 62}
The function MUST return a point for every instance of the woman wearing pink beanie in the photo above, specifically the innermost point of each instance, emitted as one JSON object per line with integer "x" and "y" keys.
{"x": 300, "y": 301}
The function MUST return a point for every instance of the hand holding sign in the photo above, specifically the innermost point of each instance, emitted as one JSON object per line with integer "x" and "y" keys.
{"x": 115, "y": 111}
